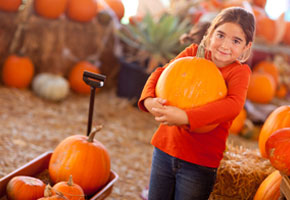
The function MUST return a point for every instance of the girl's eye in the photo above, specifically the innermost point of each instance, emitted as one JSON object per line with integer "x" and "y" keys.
{"x": 237, "y": 42}
{"x": 220, "y": 35}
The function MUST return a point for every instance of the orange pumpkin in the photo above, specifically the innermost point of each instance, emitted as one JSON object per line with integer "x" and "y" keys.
{"x": 266, "y": 28}
{"x": 270, "y": 187}
{"x": 10, "y": 5}
{"x": 238, "y": 122}
{"x": 116, "y": 5}
{"x": 281, "y": 91}
{"x": 277, "y": 148}
{"x": 279, "y": 118}
{"x": 69, "y": 189}
{"x": 25, "y": 187}
{"x": 190, "y": 82}
{"x": 268, "y": 67}
{"x": 17, "y": 71}
{"x": 76, "y": 77}
{"x": 261, "y": 88}
{"x": 50, "y": 195}
{"x": 90, "y": 166}
{"x": 82, "y": 11}
{"x": 51, "y": 9}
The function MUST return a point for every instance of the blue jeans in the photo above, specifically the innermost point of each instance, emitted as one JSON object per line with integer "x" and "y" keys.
{"x": 172, "y": 178}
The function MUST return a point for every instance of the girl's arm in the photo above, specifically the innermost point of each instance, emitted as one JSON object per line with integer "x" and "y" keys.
{"x": 225, "y": 109}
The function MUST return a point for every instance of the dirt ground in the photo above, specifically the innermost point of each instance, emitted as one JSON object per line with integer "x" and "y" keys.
{"x": 31, "y": 126}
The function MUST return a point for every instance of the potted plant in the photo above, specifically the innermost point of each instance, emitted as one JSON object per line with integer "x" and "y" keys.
{"x": 150, "y": 43}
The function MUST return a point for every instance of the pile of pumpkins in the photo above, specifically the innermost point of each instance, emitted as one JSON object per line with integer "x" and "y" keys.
{"x": 274, "y": 144}
{"x": 76, "y": 10}
{"x": 19, "y": 72}
{"x": 79, "y": 167}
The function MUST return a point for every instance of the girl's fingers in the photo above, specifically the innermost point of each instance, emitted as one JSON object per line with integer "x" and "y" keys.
{"x": 161, "y": 101}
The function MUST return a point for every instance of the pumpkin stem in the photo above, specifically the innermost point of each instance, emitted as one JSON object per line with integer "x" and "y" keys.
{"x": 48, "y": 191}
{"x": 70, "y": 181}
{"x": 93, "y": 133}
{"x": 200, "y": 51}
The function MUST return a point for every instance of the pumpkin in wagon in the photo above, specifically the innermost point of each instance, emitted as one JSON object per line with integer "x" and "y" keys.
{"x": 85, "y": 158}
{"x": 190, "y": 82}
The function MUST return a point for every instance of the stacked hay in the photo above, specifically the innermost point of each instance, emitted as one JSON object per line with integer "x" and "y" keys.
{"x": 57, "y": 45}
{"x": 241, "y": 172}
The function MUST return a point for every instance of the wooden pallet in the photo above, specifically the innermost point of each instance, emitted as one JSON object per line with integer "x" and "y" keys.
{"x": 285, "y": 186}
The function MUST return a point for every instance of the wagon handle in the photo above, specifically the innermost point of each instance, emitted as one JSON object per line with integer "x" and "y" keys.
{"x": 95, "y": 81}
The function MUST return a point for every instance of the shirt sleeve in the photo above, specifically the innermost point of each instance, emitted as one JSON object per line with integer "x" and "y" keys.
{"x": 224, "y": 109}
{"x": 149, "y": 88}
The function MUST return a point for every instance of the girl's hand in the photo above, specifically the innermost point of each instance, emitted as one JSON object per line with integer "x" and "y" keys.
{"x": 151, "y": 103}
{"x": 171, "y": 115}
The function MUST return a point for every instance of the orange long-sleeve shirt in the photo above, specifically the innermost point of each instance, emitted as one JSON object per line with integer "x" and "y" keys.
{"x": 204, "y": 149}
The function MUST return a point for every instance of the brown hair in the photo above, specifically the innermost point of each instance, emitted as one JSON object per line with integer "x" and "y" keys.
{"x": 238, "y": 16}
{"x": 196, "y": 33}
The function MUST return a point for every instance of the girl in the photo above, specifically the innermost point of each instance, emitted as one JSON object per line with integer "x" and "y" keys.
{"x": 185, "y": 163}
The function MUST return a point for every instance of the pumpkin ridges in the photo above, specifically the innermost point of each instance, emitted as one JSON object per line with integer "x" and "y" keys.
{"x": 186, "y": 88}
{"x": 25, "y": 187}
{"x": 92, "y": 159}
{"x": 279, "y": 118}
{"x": 269, "y": 187}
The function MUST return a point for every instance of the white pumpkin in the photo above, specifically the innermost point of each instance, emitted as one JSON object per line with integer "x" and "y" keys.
{"x": 50, "y": 86}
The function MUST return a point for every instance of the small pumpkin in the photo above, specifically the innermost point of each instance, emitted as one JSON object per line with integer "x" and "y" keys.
{"x": 69, "y": 189}
{"x": 281, "y": 91}
{"x": 279, "y": 118}
{"x": 117, "y": 6}
{"x": 17, "y": 71}
{"x": 190, "y": 82}
{"x": 238, "y": 122}
{"x": 25, "y": 187}
{"x": 82, "y": 11}
{"x": 50, "y": 86}
{"x": 10, "y": 5}
{"x": 261, "y": 88}
{"x": 277, "y": 148}
{"x": 270, "y": 187}
{"x": 76, "y": 77}
{"x": 268, "y": 67}
{"x": 51, "y": 9}
{"x": 90, "y": 166}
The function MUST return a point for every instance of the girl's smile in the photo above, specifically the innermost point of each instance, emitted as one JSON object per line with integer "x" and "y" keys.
{"x": 227, "y": 44}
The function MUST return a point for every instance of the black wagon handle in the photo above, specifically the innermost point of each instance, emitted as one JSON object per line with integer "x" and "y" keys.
{"x": 95, "y": 81}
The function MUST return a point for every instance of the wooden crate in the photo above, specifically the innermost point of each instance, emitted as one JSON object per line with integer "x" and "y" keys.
{"x": 40, "y": 164}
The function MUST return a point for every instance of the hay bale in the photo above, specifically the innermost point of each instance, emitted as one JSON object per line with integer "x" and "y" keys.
{"x": 55, "y": 46}
{"x": 8, "y": 25}
{"x": 241, "y": 172}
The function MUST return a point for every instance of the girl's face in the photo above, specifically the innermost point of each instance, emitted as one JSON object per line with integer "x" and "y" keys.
{"x": 227, "y": 43}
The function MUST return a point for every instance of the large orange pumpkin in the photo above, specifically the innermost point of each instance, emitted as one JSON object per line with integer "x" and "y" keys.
{"x": 261, "y": 88}
{"x": 51, "y": 9}
{"x": 10, "y": 5}
{"x": 277, "y": 148}
{"x": 238, "y": 122}
{"x": 190, "y": 82}
{"x": 82, "y": 11}
{"x": 270, "y": 187}
{"x": 85, "y": 158}
{"x": 25, "y": 187}
{"x": 268, "y": 67}
{"x": 17, "y": 71}
{"x": 69, "y": 189}
{"x": 279, "y": 118}
{"x": 76, "y": 77}
{"x": 266, "y": 28}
